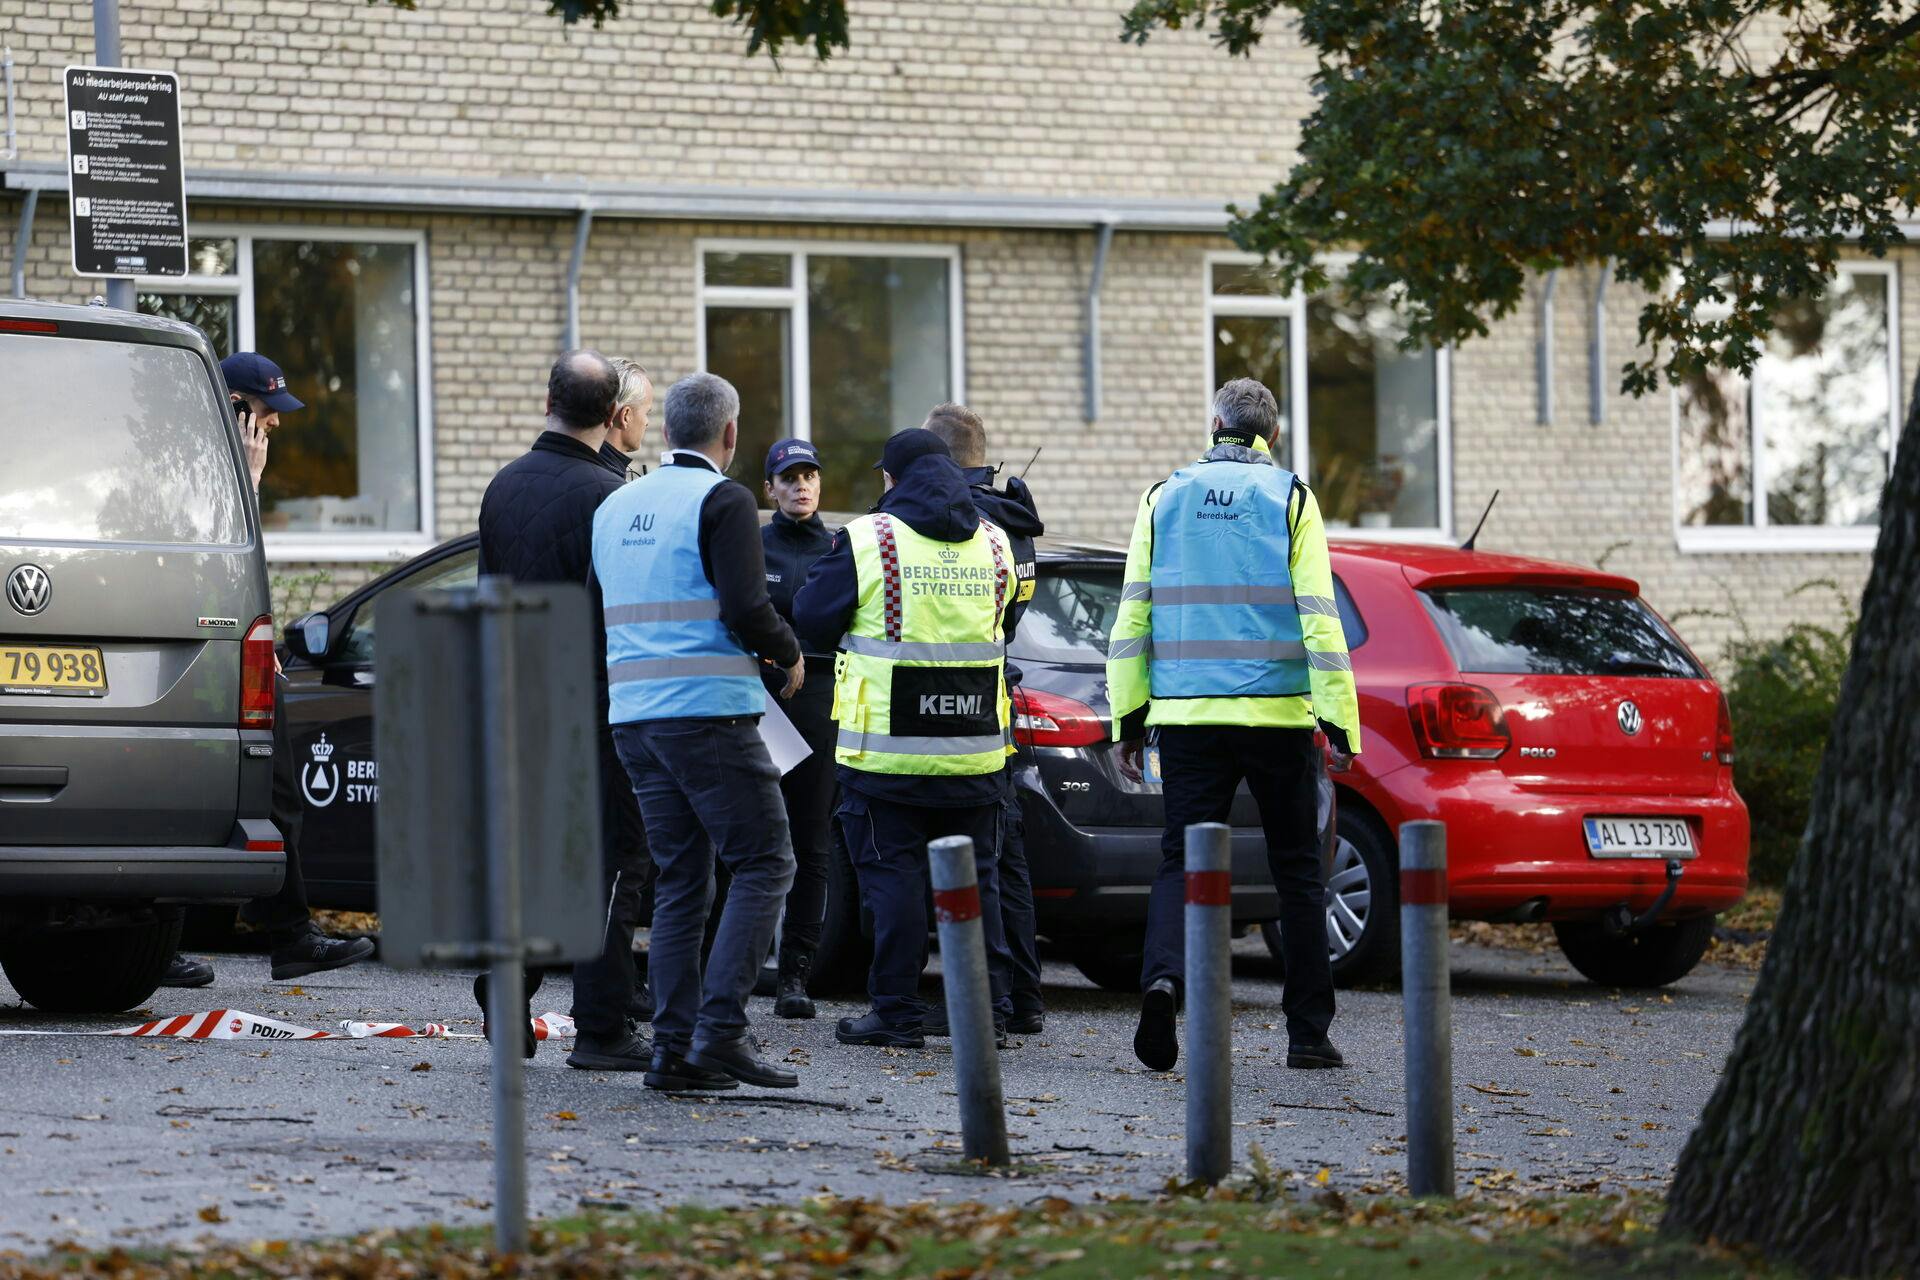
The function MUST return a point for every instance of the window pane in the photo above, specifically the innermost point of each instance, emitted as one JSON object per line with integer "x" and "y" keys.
{"x": 212, "y": 314}
{"x": 114, "y": 442}
{"x": 1822, "y": 399}
{"x": 749, "y": 347}
{"x": 1716, "y": 449}
{"x": 1255, "y": 347}
{"x": 1069, "y": 617}
{"x": 212, "y": 257}
{"x": 751, "y": 270}
{"x": 340, "y": 319}
{"x": 461, "y": 569}
{"x": 1556, "y": 631}
{"x": 1246, "y": 279}
{"x": 1373, "y": 416}
{"x": 882, "y": 355}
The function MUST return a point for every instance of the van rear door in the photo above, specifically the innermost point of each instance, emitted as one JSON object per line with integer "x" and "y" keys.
{"x": 132, "y": 562}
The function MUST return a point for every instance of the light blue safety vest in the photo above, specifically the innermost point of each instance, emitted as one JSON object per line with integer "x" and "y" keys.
{"x": 668, "y": 656}
{"x": 1224, "y": 622}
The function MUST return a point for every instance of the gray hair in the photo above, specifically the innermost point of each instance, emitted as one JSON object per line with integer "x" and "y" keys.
{"x": 633, "y": 376}
{"x": 699, "y": 407}
{"x": 1245, "y": 404}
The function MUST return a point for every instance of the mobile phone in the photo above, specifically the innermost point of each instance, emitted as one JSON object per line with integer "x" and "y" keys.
{"x": 242, "y": 412}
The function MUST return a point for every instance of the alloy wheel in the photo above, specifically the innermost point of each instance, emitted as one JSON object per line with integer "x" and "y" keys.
{"x": 1349, "y": 899}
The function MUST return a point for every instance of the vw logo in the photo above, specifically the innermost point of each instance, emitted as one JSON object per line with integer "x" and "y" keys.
{"x": 1629, "y": 719}
{"x": 29, "y": 589}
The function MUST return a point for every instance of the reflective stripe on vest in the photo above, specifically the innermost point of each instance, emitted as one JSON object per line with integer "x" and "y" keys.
{"x": 668, "y": 655}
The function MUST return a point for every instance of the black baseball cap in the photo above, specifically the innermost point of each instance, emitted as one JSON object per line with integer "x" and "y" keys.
{"x": 791, "y": 453}
{"x": 255, "y": 375}
{"x": 904, "y": 448}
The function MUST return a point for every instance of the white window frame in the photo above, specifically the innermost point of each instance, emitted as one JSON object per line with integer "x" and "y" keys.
{"x": 793, "y": 298}
{"x": 341, "y": 547}
{"x": 1761, "y": 535}
{"x": 1293, "y": 307}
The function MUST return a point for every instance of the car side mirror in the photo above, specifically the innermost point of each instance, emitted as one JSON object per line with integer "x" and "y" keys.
{"x": 310, "y": 636}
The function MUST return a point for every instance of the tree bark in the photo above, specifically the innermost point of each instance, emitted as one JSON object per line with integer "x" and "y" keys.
{"x": 1810, "y": 1147}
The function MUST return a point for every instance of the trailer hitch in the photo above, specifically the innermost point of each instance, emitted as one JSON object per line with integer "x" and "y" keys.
{"x": 1619, "y": 920}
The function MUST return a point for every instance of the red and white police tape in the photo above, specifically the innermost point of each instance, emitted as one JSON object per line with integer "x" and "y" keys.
{"x": 238, "y": 1024}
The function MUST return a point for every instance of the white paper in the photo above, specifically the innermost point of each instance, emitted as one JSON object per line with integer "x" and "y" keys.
{"x": 784, "y": 742}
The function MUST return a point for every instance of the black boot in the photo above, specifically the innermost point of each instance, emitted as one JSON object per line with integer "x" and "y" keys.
{"x": 793, "y": 1001}
{"x": 185, "y": 971}
{"x": 481, "y": 994}
{"x": 308, "y": 951}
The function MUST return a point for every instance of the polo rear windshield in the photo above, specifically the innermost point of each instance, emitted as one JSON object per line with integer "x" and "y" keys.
{"x": 1556, "y": 631}
{"x": 114, "y": 442}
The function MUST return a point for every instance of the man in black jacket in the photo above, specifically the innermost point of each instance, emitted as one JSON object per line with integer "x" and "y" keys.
{"x": 536, "y": 525}
{"x": 632, "y": 412}
{"x": 1012, "y": 508}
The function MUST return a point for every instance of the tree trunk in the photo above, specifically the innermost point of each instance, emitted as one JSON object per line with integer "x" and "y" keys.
{"x": 1810, "y": 1146}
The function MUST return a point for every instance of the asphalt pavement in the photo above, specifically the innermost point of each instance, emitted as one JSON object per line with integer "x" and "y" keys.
{"x": 114, "y": 1141}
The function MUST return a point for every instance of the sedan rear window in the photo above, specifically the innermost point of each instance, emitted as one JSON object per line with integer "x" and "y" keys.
{"x": 1556, "y": 631}
{"x": 114, "y": 442}
{"x": 1068, "y": 619}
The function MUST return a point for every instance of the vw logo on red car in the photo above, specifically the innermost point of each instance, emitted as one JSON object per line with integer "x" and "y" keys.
{"x": 1629, "y": 719}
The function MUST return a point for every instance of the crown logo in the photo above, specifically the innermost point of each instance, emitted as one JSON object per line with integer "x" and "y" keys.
{"x": 322, "y": 750}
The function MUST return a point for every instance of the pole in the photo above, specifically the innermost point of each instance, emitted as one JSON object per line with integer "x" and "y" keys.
{"x": 507, "y": 1013}
{"x": 1428, "y": 1002}
{"x": 1209, "y": 1001}
{"x": 963, "y": 966}
{"x": 106, "y": 53}
{"x": 23, "y": 240}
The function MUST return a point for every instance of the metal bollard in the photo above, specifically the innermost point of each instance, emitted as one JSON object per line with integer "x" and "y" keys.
{"x": 963, "y": 966}
{"x": 1209, "y": 1001}
{"x": 1428, "y": 1001}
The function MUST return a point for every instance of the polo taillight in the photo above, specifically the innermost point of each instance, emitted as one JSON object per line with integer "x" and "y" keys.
{"x": 256, "y": 675}
{"x": 1049, "y": 720}
{"x": 1458, "y": 722}
{"x": 1723, "y": 734}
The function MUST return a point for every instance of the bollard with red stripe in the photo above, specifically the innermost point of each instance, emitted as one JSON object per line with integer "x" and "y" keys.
{"x": 1209, "y": 1001}
{"x": 963, "y": 966}
{"x": 1427, "y": 998}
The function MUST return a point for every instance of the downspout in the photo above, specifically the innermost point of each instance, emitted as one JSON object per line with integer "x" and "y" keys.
{"x": 12, "y": 150}
{"x": 22, "y": 239}
{"x": 1597, "y": 351}
{"x": 1543, "y": 349}
{"x": 1091, "y": 360}
{"x": 582, "y": 228}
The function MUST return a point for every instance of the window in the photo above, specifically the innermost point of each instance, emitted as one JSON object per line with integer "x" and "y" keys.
{"x": 343, "y": 313}
{"x": 1795, "y": 455}
{"x": 1070, "y": 615}
{"x": 1364, "y": 422}
{"x": 839, "y": 344}
{"x": 461, "y": 569}
{"x": 1555, "y": 631}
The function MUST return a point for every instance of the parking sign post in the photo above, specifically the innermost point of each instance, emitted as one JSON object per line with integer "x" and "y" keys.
{"x": 1209, "y": 1001}
{"x": 1427, "y": 997}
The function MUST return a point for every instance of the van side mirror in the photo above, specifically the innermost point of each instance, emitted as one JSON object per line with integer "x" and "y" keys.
{"x": 310, "y": 636}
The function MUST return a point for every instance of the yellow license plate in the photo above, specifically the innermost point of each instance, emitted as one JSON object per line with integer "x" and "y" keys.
{"x": 72, "y": 670}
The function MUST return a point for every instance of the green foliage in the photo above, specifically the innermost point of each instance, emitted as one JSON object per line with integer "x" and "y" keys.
{"x": 296, "y": 593}
{"x": 1716, "y": 153}
{"x": 1783, "y": 691}
{"x": 772, "y": 25}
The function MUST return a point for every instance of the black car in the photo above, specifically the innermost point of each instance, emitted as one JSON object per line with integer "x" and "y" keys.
{"x": 1093, "y": 836}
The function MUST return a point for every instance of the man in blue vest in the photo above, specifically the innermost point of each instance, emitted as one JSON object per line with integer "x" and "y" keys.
{"x": 682, "y": 576}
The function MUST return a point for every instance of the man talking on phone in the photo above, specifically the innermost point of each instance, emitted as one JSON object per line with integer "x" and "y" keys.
{"x": 258, "y": 393}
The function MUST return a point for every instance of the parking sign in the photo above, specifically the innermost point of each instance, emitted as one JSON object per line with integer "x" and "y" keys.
{"x": 126, "y": 182}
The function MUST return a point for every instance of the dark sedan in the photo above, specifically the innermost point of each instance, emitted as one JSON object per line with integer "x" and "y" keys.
{"x": 1093, "y": 836}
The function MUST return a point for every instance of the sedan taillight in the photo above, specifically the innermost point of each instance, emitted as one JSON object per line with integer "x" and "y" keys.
{"x": 1458, "y": 722}
{"x": 1049, "y": 720}
{"x": 256, "y": 675}
{"x": 1723, "y": 735}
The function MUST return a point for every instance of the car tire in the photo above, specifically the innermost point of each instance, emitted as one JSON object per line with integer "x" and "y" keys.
{"x": 1362, "y": 883}
{"x": 1652, "y": 957}
{"x": 846, "y": 942}
{"x": 1109, "y": 965}
{"x": 106, "y": 970}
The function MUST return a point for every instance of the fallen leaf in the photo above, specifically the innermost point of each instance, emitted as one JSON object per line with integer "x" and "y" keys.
{"x": 563, "y": 1115}
{"x": 212, "y": 1214}
{"x": 421, "y": 1066}
{"x": 1525, "y": 1052}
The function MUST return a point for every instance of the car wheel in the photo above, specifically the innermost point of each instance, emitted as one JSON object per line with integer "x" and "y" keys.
{"x": 1107, "y": 964}
{"x": 1649, "y": 958}
{"x": 846, "y": 945}
{"x": 1363, "y": 905}
{"x": 92, "y": 970}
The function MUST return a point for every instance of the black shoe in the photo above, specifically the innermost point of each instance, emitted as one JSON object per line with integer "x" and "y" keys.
{"x": 741, "y": 1059}
{"x": 533, "y": 982}
{"x": 1155, "y": 1042}
{"x": 1307, "y": 1055}
{"x": 314, "y": 952}
{"x": 767, "y": 981}
{"x": 1031, "y": 1023}
{"x": 641, "y": 1008}
{"x": 629, "y": 1051}
{"x": 184, "y": 971}
{"x": 935, "y": 1024}
{"x": 794, "y": 1002}
{"x": 674, "y": 1074}
{"x": 871, "y": 1029}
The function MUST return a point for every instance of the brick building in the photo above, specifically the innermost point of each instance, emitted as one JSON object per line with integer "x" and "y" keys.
{"x": 998, "y": 202}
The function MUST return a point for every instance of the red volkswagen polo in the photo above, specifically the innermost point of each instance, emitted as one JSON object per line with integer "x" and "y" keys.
{"x": 1578, "y": 752}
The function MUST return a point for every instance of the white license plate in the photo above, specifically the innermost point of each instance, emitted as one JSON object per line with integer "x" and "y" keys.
{"x": 1639, "y": 838}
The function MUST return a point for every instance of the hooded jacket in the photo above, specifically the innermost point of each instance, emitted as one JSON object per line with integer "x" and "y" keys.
{"x": 1013, "y": 510}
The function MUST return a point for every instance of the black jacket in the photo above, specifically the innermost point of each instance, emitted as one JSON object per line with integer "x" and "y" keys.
{"x": 934, "y": 499}
{"x": 731, "y": 555}
{"x": 1013, "y": 510}
{"x": 792, "y": 546}
{"x": 621, "y": 464}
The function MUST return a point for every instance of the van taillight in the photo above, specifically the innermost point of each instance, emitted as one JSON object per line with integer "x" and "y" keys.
{"x": 1723, "y": 735}
{"x": 1457, "y": 722}
{"x": 256, "y": 676}
{"x": 28, "y": 326}
{"x": 1049, "y": 720}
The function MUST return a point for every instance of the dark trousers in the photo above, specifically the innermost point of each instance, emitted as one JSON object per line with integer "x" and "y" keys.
{"x": 887, "y": 843}
{"x": 1201, "y": 767}
{"x": 603, "y": 987}
{"x": 808, "y": 791}
{"x": 283, "y": 915}
{"x": 1016, "y": 908}
{"x": 707, "y": 790}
